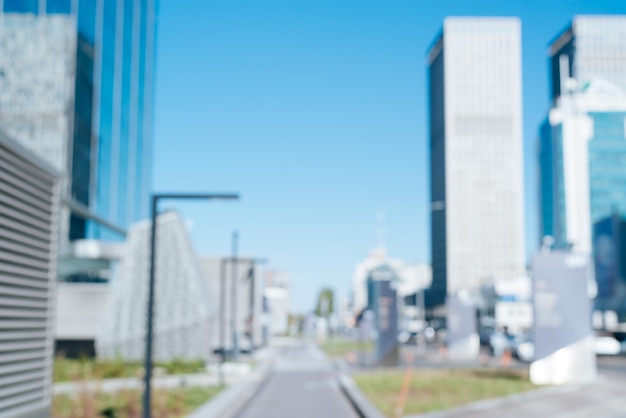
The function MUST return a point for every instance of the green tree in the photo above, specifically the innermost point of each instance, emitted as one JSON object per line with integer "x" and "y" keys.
{"x": 325, "y": 303}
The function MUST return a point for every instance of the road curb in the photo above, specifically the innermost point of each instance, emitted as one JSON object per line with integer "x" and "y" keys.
{"x": 360, "y": 403}
{"x": 229, "y": 402}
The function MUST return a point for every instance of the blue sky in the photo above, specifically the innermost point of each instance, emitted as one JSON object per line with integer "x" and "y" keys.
{"x": 316, "y": 112}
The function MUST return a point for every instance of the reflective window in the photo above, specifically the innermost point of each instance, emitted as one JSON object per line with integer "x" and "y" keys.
{"x": 21, "y": 6}
{"x": 106, "y": 112}
{"x": 607, "y": 164}
{"x": 125, "y": 145}
{"x": 87, "y": 19}
{"x": 60, "y": 6}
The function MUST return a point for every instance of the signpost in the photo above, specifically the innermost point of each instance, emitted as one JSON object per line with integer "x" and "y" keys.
{"x": 463, "y": 341}
{"x": 383, "y": 301}
{"x": 563, "y": 337}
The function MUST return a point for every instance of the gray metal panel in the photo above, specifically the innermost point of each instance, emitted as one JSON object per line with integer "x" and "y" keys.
{"x": 562, "y": 305}
{"x": 19, "y": 238}
{"x": 22, "y": 368}
{"x": 28, "y": 216}
{"x": 28, "y": 355}
{"x": 22, "y": 377}
{"x": 11, "y": 225}
{"x": 22, "y": 303}
{"x": 21, "y": 335}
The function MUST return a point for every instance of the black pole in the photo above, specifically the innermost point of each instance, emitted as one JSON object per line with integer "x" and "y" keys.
{"x": 234, "y": 283}
{"x": 147, "y": 405}
{"x": 252, "y": 293}
{"x": 222, "y": 319}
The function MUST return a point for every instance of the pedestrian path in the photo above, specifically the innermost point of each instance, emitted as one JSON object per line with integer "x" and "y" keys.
{"x": 303, "y": 384}
{"x": 605, "y": 398}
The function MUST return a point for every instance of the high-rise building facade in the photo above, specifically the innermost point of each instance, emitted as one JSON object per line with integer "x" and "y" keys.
{"x": 595, "y": 47}
{"x": 77, "y": 90}
{"x": 475, "y": 94}
{"x": 581, "y": 147}
{"x": 582, "y": 153}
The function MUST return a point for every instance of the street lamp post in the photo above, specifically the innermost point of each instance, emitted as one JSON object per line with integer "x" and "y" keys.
{"x": 147, "y": 405}
{"x": 233, "y": 303}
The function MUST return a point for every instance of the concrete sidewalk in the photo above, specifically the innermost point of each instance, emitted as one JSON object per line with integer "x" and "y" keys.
{"x": 604, "y": 399}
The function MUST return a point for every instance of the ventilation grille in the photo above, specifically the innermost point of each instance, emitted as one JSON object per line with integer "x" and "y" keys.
{"x": 28, "y": 214}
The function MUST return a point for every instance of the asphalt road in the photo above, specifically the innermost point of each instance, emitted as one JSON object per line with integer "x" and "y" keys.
{"x": 302, "y": 384}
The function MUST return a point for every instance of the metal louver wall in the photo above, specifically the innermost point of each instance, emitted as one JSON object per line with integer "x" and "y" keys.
{"x": 28, "y": 240}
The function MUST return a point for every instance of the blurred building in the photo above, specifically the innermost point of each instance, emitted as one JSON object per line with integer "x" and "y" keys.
{"x": 409, "y": 282}
{"x": 414, "y": 278}
{"x": 377, "y": 258}
{"x": 594, "y": 47}
{"x": 248, "y": 301}
{"x": 184, "y": 318}
{"x": 582, "y": 175}
{"x": 609, "y": 253}
{"x": 513, "y": 306}
{"x": 28, "y": 245}
{"x": 475, "y": 95}
{"x": 582, "y": 153}
{"x": 76, "y": 89}
{"x": 276, "y": 295}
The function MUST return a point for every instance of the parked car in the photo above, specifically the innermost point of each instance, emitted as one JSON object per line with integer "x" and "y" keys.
{"x": 523, "y": 348}
{"x": 606, "y": 345}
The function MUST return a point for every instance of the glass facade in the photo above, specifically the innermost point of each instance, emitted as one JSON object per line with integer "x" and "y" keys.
{"x": 107, "y": 170}
{"x": 546, "y": 185}
{"x": 552, "y": 184}
{"x": 125, "y": 60}
{"x": 437, "y": 292}
{"x": 607, "y": 164}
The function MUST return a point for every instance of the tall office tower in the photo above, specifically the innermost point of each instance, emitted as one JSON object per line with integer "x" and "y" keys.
{"x": 582, "y": 147}
{"x": 76, "y": 89}
{"x": 475, "y": 92}
{"x": 594, "y": 47}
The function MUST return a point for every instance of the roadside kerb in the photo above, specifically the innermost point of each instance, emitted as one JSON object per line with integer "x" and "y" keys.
{"x": 360, "y": 403}
{"x": 228, "y": 402}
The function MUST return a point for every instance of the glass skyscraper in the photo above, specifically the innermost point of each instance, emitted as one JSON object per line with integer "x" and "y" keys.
{"x": 582, "y": 152}
{"x": 76, "y": 87}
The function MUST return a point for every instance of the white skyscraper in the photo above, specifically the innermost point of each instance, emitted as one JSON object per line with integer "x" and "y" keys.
{"x": 476, "y": 153}
{"x": 595, "y": 47}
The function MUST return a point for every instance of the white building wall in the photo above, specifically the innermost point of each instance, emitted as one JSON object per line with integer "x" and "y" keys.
{"x": 278, "y": 301}
{"x": 414, "y": 278}
{"x": 483, "y": 150}
{"x": 600, "y": 48}
{"x": 183, "y": 317}
{"x": 222, "y": 299}
{"x": 80, "y": 310}
{"x": 37, "y": 60}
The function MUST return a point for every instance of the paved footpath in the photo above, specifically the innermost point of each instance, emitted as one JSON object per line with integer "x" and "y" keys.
{"x": 606, "y": 398}
{"x": 302, "y": 384}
